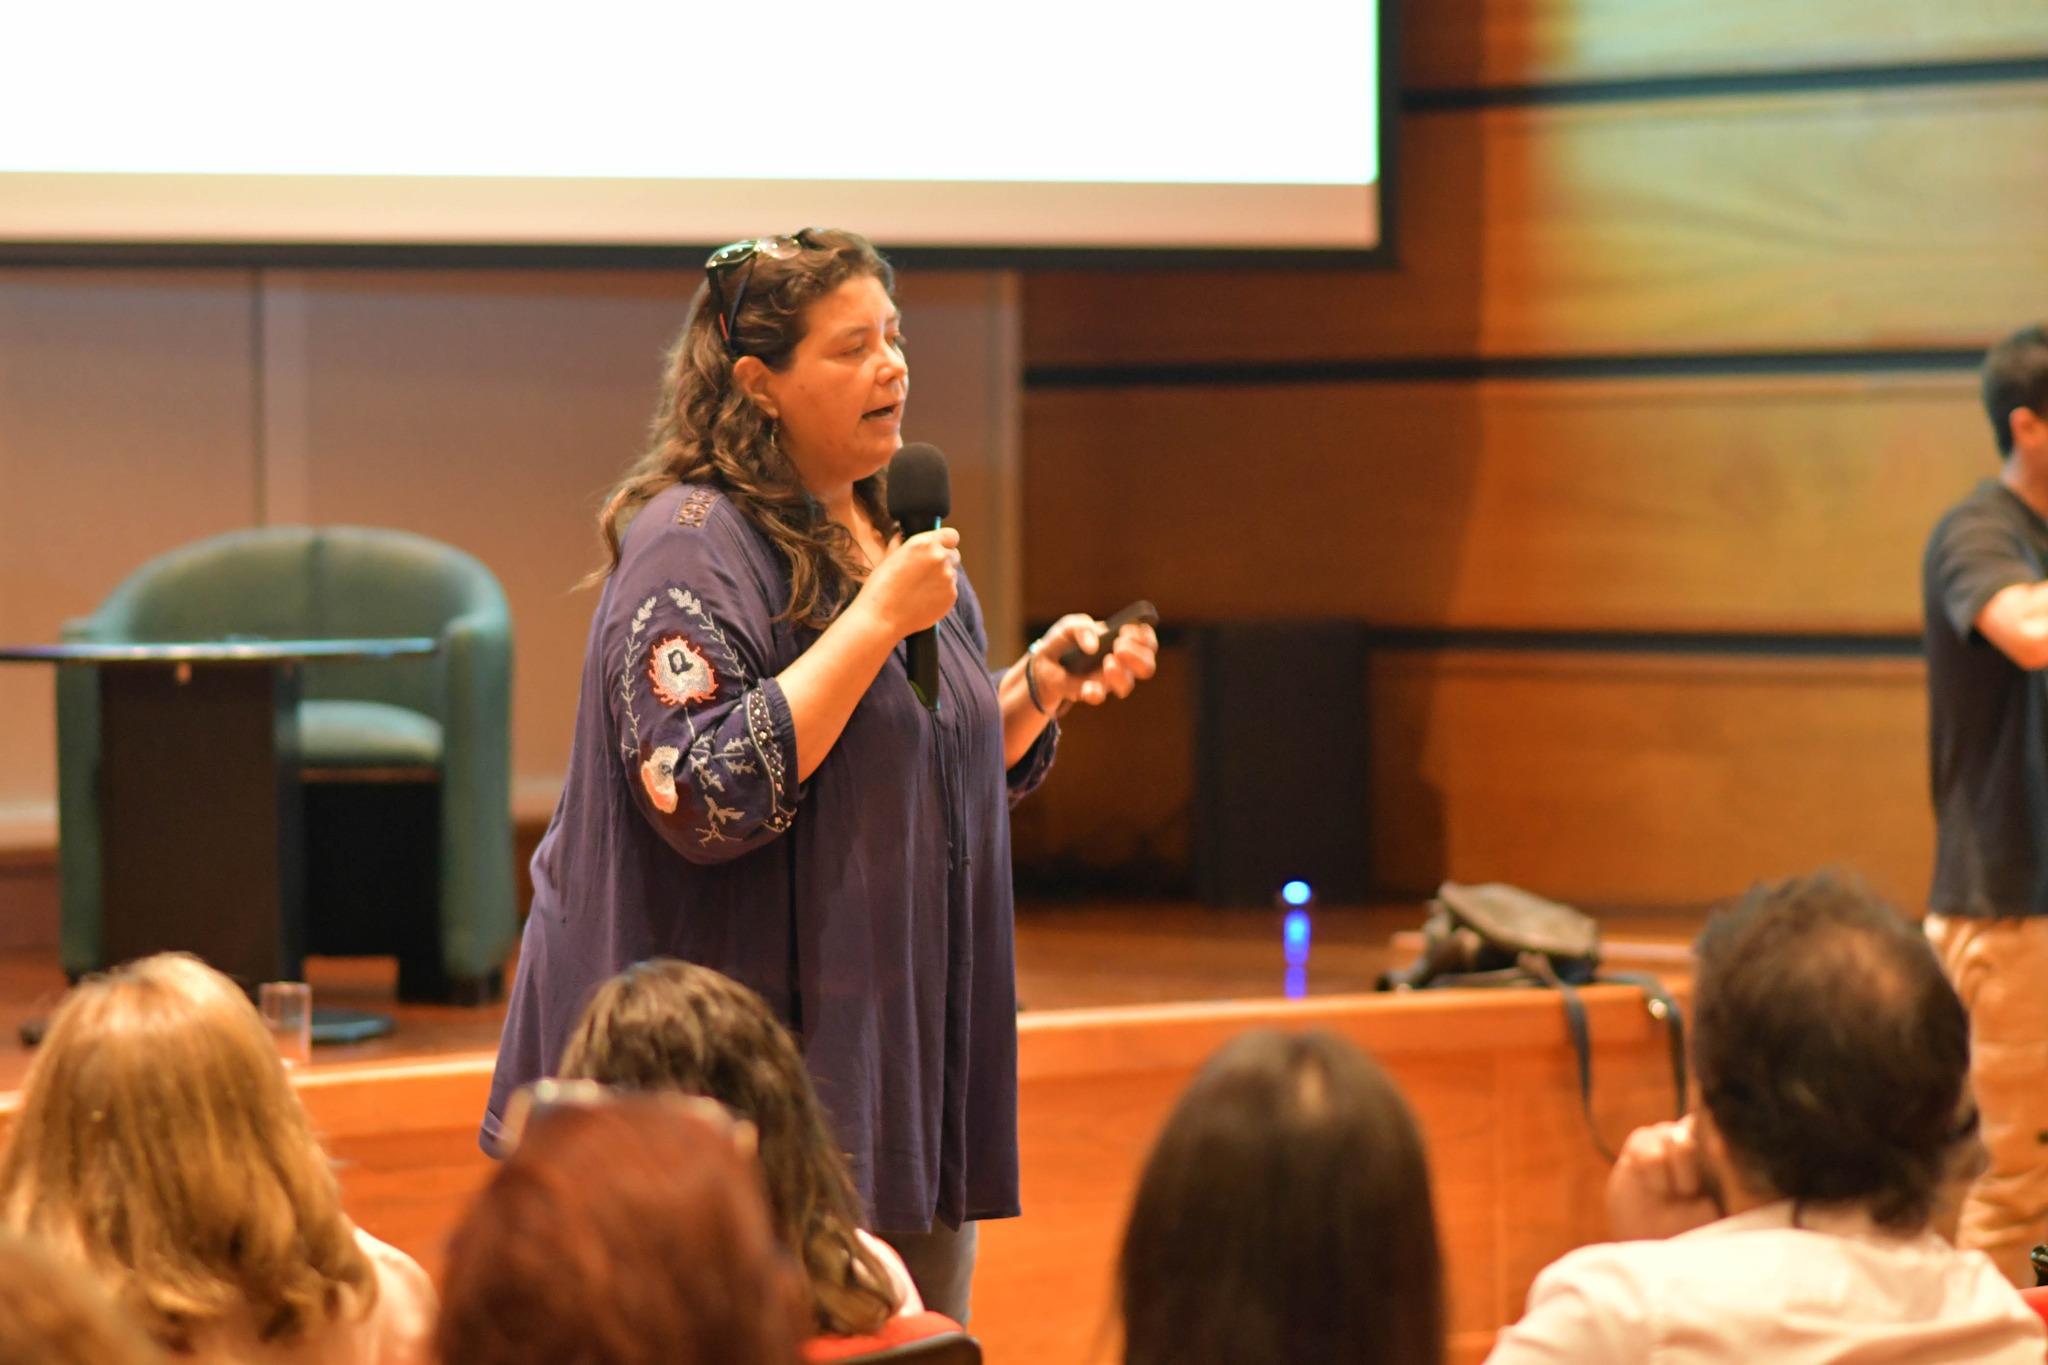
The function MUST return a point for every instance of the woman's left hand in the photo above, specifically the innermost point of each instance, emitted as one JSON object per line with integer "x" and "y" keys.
{"x": 1133, "y": 656}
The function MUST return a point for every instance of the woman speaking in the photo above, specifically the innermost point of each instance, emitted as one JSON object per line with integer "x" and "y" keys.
{"x": 754, "y": 785}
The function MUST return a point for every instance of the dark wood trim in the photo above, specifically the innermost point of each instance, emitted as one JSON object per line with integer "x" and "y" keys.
{"x": 1645, "y": 89}
{"x": 1464, "y": 369}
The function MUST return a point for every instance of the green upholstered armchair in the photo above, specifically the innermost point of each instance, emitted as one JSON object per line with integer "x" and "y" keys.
{"x": 425, "y": 739}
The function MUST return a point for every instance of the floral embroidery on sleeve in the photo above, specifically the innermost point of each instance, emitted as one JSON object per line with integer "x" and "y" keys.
{"x": 681, "y": 675}
{"x": 679, "y": 672}
{"x": 658, "y": 775}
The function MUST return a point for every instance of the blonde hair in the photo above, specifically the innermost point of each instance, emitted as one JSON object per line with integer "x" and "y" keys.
{"x": 160, "y": 1145}
{"x": 54, "y": 1314}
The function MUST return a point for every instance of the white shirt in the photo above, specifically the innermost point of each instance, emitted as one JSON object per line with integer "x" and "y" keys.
{"x": 1836, "y": 1289}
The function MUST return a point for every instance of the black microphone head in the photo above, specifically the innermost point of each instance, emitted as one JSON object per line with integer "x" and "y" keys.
{"x": 919, "y": 492}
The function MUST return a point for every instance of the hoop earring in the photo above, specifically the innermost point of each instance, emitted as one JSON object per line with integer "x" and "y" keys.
{"x": 777, "y": 458}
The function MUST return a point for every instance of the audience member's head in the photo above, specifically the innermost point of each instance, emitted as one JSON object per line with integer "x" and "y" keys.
{"x": 1832, "y": 1054}
{"x": 669, "y": 1025}
{"x": 160, "y": 1144}
{"x": 52, "y": 1313}
{"x": 625, "y": 1233}
{"x": 2015, "y": 378}
{"x": 1284, "y": 1217}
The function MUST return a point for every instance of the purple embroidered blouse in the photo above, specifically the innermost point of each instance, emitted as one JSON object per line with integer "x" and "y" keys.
{"x": 871, "y": 906}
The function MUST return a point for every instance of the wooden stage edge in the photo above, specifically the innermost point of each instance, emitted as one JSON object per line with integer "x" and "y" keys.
{"x": 1489, "y": 1074}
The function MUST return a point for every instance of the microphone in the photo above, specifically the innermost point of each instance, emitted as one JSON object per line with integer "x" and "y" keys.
{"x": 920, "y": 496}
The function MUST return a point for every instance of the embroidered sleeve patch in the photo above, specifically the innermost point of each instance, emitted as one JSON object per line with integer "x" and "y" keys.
{"x": 658, "y": 776}
{"x": 725, "y": 768}
{"x": 679, "y": 672}
{"x": 695, "y": 506}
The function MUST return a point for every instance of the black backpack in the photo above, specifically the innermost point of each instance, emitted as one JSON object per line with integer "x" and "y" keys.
{"x": 1499, "y": 935}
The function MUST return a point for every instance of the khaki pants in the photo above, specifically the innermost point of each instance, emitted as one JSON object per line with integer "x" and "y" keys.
{"x": 2000, "y": 969}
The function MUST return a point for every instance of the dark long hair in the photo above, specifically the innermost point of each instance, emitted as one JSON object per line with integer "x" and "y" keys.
{"x": 626, "y": 1233}
{"x": 1284, "y": 1217}
{"x": 669, "y": 1025}
{"x": 707, "y": 431}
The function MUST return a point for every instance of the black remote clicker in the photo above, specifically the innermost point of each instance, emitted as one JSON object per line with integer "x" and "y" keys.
{"x": 1081, "y": 664}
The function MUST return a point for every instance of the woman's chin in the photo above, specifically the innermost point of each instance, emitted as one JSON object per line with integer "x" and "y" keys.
{"x": 861, "y": 460}
{"x": 881, "y": 446}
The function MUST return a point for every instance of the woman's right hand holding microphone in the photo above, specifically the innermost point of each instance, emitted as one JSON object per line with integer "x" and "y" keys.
{"x": 916, "y": 583}
{"x": 913, "y": 586}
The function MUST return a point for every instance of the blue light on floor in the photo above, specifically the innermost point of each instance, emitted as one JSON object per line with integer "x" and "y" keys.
{"x": 1296, "y": 984}
{"x": 1294, "y": 938}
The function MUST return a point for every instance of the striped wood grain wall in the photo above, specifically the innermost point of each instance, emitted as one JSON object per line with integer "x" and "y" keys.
{"x": 1633, "y": 451}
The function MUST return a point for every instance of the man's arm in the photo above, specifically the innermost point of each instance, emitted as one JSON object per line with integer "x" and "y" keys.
{"x": 2016, "y": 621}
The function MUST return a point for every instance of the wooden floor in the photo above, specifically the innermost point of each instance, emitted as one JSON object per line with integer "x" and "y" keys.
{"x": 1122, "y": 1001}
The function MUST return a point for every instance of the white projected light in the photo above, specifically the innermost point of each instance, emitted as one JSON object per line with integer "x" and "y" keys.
{"x": 1055, "y": 123}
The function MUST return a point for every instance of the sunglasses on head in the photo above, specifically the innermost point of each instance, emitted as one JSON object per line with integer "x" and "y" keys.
{"x": 533, "y": 1102}
{"x": 737, "y": 259}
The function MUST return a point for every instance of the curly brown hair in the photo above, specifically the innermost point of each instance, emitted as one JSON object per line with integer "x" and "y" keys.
{"x": 706, "y": 430}
{"x": 669, "y": 1025}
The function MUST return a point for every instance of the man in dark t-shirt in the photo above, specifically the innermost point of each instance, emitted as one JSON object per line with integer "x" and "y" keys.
{"x": 1984, "y": 597}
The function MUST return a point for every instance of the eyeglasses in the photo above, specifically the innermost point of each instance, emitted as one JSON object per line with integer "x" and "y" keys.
{"x": 740, "y": 257}
{"x": 531, "y": 1103}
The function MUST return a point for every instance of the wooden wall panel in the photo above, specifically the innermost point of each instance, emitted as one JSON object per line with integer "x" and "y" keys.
{"x": 490, "y": 410}
{"x": 125, "y": 429}
{"x": 1413, "y": 483}
{"x": 1640, "y": 780}
{"x": 1752, "y": 504}
{"x": 1611, "y": 779}
{"x": 493, "y": 410}
{"x": 1908, "y": 217}
{"x": 1467, "y": 43}
{"x": 1118, "y": 794}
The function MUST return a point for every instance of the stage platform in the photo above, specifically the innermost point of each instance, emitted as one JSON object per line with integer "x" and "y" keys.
{"x": 1122, "y": 1002}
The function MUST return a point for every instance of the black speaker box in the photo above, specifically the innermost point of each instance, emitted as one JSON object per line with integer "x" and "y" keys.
{"x": 1282, "y": 788}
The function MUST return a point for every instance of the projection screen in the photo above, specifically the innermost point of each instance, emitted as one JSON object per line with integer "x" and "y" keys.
{"x": 1053, "y": 124}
